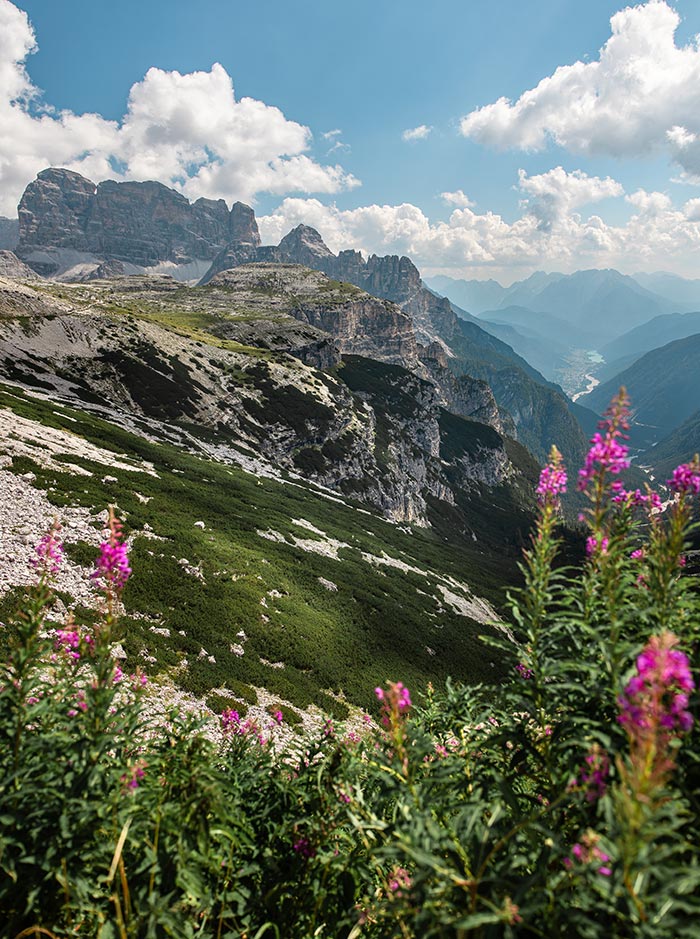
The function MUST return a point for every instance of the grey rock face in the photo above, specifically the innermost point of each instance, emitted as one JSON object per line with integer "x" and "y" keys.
{"x": 138, "y": 223}
{"x": 13, "y": 269}
{"x": 359, "y": 323}
{"x": 9, "y": 233}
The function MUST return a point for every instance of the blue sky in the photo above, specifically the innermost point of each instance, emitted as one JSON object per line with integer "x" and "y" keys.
{"x": 374, "y": 70}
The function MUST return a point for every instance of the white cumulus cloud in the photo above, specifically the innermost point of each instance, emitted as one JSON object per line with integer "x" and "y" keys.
{"x": 642, "y": 94}
{"x": 474, "y": 244}
{"x": 457, "y": 198}
{"x": 552, "y": 196}
{"x": 188, "y": 130}
{"x": 416, "y": 133}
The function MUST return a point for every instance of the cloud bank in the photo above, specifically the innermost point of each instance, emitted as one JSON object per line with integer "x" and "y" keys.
{"x": 549, "y": 233}
{"x": 642, "y": 95}
{"x": 188, "y": 131}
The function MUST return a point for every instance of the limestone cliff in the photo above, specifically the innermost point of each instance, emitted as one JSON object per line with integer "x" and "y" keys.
{"x": 138, "y": 223}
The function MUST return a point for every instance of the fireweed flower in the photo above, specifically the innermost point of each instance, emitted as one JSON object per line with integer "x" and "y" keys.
{"x": 304, "y": 847}
{"x": 112, "y": 566}
{"x": 73, "y": 643}
{"x": 586, "y": 851}
{"x": 49, "y": 552}
{"x": 524, "y": 671}
{"x": 607, "y": 453}
{"x": 396, "y": 701}
{"x": 553, "y": 480}
{"x": 686, "y": 478}
{"x": 233, "y": 726}
{"x": 655, "y": 700}
{"x": 132, "y": 778}
{"x": 593, "y": 775}
{"x": 596, "y": 545}
{"x": 399, "y": 881}
{"x": 395, "y": 705}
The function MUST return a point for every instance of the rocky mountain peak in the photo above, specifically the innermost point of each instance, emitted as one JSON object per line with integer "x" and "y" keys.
{"x": 304, "y": 244}
{"x": 142, "y": 224}
{"x": 243, "y": 226}
{"x": 55, "y": 208}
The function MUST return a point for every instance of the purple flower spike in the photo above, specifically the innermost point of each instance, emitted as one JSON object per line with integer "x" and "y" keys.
{"x": 49, "y": 552}
{"x": 112, "y": 566}
{"x": 553, "y": 480}
{"x": 686, "y": 478}
{"x": 607, "y": 454}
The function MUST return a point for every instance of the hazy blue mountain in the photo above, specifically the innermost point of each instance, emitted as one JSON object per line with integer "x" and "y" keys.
{"x": 472, "y": 295}
{"x": 679, "y": 446}
{"x": 671, "y": 286}
{"x": 525, "y": 292}
{"x": 534, "y": 336}
{"x": 663, "y": 386}
{"x": 606, "y": 303}
{"x": 656, "y": 332}
{"x": 602, "y": 304}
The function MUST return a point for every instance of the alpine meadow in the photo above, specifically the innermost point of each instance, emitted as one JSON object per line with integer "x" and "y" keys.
{"x": 349, "y": 474}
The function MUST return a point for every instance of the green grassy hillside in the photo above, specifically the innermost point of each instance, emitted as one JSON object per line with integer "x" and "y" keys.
{"x": 269, "y": 556}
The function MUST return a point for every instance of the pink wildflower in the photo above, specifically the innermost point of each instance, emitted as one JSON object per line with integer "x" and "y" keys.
{"x": 657, "y": 696}
{"x": 553, "y": 480}
{"x": 49, "y": 552}
{"x": 607, "y": 454}
{"x": 399, "y": 880}
{"x": 304, "y": 847}
{"x": 594, "y": 774}
{"x": 396, "y": 700}
{"x": 587, "y": 852}
{"x": 686, "y": 478}
{"x": 132, "y": 778}
{"x": 524, "y": 671}
{"x": 112, "y": 566}
{"x": 596, "y": 546}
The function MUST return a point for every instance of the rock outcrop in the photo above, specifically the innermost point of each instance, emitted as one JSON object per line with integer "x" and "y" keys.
{"x": 366, "y": 429}
{"x": 12, "y": 268}
{"x": 142, "y": 224}
{"x": 9, "y": 233}
{"x": 359, "y": 323}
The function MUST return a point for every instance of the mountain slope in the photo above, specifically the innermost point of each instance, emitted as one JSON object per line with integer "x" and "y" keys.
{"x": 663, "y": 386}
{"x": 535, "y": 406}
{"x": 242, "y": 581}
{"x": 680, "y": 446}
{"x": 651, "y": 335}
{"x": 244, "y": 368}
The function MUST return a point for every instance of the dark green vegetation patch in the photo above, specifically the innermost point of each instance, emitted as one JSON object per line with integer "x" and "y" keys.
{"x": 226, "y": 585}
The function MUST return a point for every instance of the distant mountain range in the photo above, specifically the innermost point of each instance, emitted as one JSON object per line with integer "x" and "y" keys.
{"x": 600, "y": 304}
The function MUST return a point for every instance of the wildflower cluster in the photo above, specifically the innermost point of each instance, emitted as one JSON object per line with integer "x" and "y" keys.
{"x": 395, "y": 701}
{"x": 553, "y": 480}
{"x": 655, "y": 701}
{"x": 558, "y": 800}
{"x": 233, "y": 725}
{"x": 112, "y": 568}
{"x": 49, "y": 552}
{"x": 74, "y": 643}
{"x": 607, "y": 453}
{"x": 686, "y": 478}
